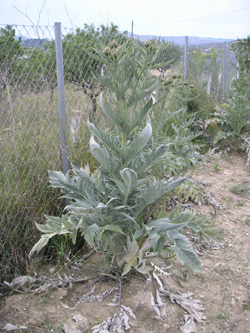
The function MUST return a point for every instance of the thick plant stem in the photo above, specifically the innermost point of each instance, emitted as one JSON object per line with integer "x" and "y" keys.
{"x": 124, "y": 142}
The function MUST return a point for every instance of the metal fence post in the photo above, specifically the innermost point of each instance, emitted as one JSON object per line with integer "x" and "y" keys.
{"x": 224, "y": 71}
{"x": 186, "y": 58}
{"x": 61, "y": 96}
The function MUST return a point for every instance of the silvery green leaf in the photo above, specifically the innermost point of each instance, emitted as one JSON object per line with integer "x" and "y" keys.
{"x": 59, "y": 180}
{"x": 56, "y": 177}
{"x": 146, "y": 91}
{"x": 161, "y": 244}
{"x": 137, "y": 120}
{"x": 172, "y": 183}
{"x": 162, "y": 65}
{"x": 144, "y": 268}
{"x": 120, "y": 121}
{"x": 80, "y": 204}
{"x": 70, "y": 188}
{"x": 46, "y": 229}
{"x": 153, "y": 192}
{"x": 124, "y": 217}
{"x": 184, "y": 252}
{"x": 139, "y": 233}
{"x": 154, "y": 241}
{"x": 188, "y": 258}
{"x": 53, "y": 223}
{"x": 69, "y": 225}
{"x": 102, "y": 234}
{"x": 180, "y": 239}
{"x": 143, "y": 163}
{"x": 79, "y": 208}
{"x": 172, "y": 213}
{"x": 80, "y": 172}
{"x": 112, "y": 227}
{"x": 183, "y": 217}
{"x": 150, "y": 195}
{"x": 90, "y": 233}
{"x": 140, "y": 141}
{"x": 127, "y": 83}
{"x": 101, "y": 155}
{"x": 132, "y": 246}
{"x": 130, "y": 179}
{"x": 112, "y": 142}
{"x": 41, "y": 243}
{"x": 126, "y": 269}
{"x": 98, "y": 57}
{"x": 164, "y": 224}
{"x": 105, "y": 81}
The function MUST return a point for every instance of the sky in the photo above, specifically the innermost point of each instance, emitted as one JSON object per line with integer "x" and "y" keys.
{"x": 213, "y": 18}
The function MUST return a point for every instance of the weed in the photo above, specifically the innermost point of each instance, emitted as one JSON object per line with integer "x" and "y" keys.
{"x": 222, "y": 316}
{"x": 240, "y": 203}
{"x": 247, "y": 221}
{"x": 60, "y": 328}
{"x": 190, "y": 190}
{"x": 233, "y": 180}
{"x": 246, "y": 303}
{"x": 240, "y": 189}
{"x": 228, "y": 201}
{"x": 216, "y": 168}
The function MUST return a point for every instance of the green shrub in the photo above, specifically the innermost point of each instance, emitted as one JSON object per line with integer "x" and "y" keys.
{"x": 180, "y": 117}
{"x": 110, "y": 208}
{"x": 233, "y": 119}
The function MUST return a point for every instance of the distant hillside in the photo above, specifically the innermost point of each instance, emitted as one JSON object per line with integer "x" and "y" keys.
{"x": 192, "y": 40}
{"x": 33, "y": 42}
{"x": 204, "y": 42}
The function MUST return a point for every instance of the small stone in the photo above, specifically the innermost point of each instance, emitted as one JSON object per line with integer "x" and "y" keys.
{"x": 164, "y": 313}
{"x": 52, "y": 270}
{"x": 9, "y": 327}
{"x": 51, "y": 309}
{"x": 61, "y": 293}
{"x": 76, "y": 324}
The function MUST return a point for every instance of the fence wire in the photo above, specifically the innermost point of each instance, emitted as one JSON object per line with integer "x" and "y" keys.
{"x": 29, "y": 117}
{"x": 29, "y": 139}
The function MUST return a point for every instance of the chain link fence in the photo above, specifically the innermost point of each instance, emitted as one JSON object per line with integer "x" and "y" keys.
{"x": 29, "y": 140}
{"x": 213, "y": 68}
{"x": 32, "y": 129}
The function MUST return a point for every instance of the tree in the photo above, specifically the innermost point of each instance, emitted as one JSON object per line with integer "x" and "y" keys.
{"x": 169, "y": 54}
{"x": 79, "y": 66}
{"x": 40, "y": 68}
{"x": 234, "y": 118}
{"x": 241, "y": 50}
{"x": 205, "y": 68}
{"x": 10, "y": 53}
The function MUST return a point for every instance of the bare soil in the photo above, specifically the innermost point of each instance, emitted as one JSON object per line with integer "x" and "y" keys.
{"x": 223, "y": 288}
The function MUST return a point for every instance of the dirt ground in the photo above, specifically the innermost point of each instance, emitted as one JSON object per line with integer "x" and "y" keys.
{"x": 223, "y": 288}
